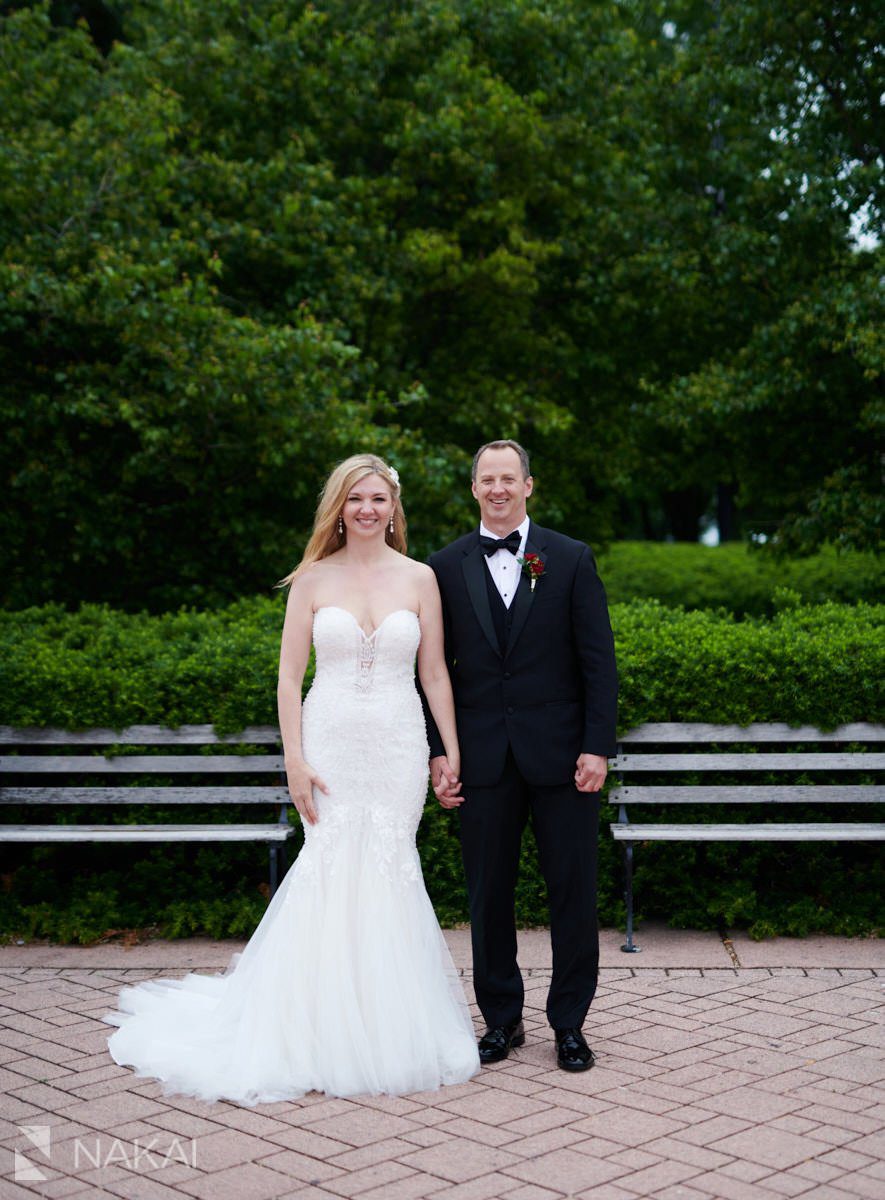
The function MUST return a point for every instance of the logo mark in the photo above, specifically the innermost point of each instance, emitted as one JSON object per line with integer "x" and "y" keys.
{"x": 24, "y": 1171}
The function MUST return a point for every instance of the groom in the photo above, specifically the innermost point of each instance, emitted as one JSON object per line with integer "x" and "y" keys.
{"x": 530, "y": 653}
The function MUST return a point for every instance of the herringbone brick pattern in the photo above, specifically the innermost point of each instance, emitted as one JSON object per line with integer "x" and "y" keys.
{"x": 723, "y": 1082}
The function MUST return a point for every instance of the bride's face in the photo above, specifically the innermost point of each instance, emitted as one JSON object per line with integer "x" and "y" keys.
{"x": 368, "y": 507}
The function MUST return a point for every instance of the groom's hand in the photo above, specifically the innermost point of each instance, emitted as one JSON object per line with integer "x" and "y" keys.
{"x": 446, "y": 784}
{"x": 591, "y": 772}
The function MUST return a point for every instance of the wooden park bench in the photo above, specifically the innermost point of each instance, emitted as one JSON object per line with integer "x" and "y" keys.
{"x": 47, "y": 767}
{"x": 679, "y": 752}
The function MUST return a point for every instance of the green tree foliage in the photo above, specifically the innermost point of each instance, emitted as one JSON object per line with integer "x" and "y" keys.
{"x": 241, "y": 241}
{"x": 784, "y": 405}
{"x": 152, "y": 444}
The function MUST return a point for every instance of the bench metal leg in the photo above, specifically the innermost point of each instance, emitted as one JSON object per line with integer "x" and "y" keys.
{"x": 274, "y": 868}
{"x": 629, "y": 947}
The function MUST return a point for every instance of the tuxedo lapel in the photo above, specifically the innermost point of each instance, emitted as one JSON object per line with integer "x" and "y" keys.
{"x": 522, "y": 601}
{"x": 474, "y": 569}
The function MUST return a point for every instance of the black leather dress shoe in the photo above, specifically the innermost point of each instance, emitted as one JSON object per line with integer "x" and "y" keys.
{"x": 497, "y": 1042}
{"x": 572, "y": 1051}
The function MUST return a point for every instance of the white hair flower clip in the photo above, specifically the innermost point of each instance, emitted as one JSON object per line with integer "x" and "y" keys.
{"x": 394, "y": 474}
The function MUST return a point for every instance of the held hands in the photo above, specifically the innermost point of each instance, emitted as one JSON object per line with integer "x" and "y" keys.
{"x": 591, "y": 772}
{"x": 446, "y": 784}
{"x": 590, "y": 775}
{"x": 302, "y": 780}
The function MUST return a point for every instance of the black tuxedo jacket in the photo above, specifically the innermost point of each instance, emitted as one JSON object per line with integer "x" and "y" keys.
{"x": 552, "y": 693}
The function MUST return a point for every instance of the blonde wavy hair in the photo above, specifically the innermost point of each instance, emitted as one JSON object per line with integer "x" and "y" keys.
{"x": 325, "y": 538}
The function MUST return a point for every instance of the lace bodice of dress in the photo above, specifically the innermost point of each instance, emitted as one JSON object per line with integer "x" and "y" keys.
{"x": 362, "y": 722}
{"x": 348, "y": 659}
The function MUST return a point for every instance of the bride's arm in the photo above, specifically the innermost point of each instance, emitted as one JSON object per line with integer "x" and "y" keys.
{"x": 294, "y": 655}
{"x": 437, "y": 687}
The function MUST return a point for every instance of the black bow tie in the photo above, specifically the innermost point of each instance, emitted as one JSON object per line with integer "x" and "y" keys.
{"x": 490, "y": 544}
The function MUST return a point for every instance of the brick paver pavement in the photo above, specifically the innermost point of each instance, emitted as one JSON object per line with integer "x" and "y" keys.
{"x": 725, "y": 1070}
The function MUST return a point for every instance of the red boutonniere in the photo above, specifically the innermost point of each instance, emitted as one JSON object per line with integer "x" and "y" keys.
{"x": 532, "y": 567}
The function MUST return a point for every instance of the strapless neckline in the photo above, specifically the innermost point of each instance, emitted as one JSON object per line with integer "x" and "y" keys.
{"x": 369, "y": 637}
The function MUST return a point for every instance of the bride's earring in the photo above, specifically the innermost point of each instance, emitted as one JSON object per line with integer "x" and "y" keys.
{"x": 340, "y": 525}
{"x": 391, "y": 522}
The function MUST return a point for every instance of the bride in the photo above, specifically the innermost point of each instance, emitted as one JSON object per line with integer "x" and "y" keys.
{"x": 346, "y": 986}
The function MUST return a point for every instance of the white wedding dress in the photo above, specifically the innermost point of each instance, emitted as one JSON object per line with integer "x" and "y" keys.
{"x": 346, "y": 986}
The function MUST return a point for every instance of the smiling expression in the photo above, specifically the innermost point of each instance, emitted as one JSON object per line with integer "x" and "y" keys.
{"x": 501, "y": 490}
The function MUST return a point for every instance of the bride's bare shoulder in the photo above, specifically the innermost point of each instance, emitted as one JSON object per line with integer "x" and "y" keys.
{"x": 307, "y": 581}
{"x": 324, "y": 567}
{"x": 423, "y": 580}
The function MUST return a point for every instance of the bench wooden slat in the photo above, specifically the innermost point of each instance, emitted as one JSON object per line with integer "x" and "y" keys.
{"x": 139, "y": 735}
{"x": 674, "y": 732}
{"x": 749, "y": 762}
{"x": 828, "y": 832}
{"x": 729, "y": 793}
{"x": 759, "y": 731}
{"x": 145, "y": 833}
{"x": 145, "y": 795}
{"x": 139, "y": 764}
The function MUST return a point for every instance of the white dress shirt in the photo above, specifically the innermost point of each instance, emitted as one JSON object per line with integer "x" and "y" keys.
{"x": 503, "y": 565}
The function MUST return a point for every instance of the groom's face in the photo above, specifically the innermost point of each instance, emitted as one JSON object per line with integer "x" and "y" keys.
{"x": 501, "y": 490}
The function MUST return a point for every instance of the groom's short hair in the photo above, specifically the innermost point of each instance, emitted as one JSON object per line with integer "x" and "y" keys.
{"x": 502, "y": 444}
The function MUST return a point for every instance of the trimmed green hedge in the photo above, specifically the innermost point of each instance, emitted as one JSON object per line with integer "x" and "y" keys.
{"x": 821, "y": 665}
{"x": 102, "y": 667}
{"x": 737, "y": 577}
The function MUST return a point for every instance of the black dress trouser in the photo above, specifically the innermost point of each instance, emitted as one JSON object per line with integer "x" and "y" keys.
{"x": 565, "y": 823}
